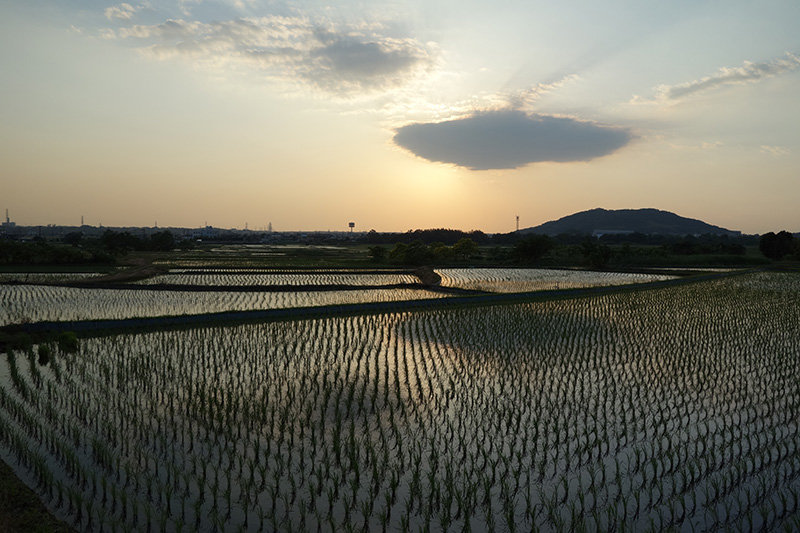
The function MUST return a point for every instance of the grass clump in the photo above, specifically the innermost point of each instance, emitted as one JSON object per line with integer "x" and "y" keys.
{"x": 68, "y": 342}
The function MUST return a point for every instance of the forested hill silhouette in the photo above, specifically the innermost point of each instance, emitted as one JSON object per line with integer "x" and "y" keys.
{"x": 648, "y": 221}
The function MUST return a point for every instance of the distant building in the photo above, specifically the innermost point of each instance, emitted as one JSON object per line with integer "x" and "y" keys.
{"x": 208, "y": 232}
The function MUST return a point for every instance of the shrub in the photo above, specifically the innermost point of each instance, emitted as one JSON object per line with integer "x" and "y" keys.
{"x": 532, "y": 248}
{"x": 68, "y": 342}
{"x": 44, "y": 354}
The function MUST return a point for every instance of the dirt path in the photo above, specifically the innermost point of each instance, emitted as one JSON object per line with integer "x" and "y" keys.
{"x": 139, "y": 268}
{"x": 427, "y": 276}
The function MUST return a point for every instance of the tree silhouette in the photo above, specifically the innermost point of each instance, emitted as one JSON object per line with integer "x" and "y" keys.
{"x": 465, "y": 248}
{"x": 776, "y": 246}
{"x": 532, "y": 248}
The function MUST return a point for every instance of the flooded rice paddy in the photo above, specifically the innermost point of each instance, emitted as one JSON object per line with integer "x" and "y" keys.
{"x": 537, "y": 279}
{"x": 39, "y": 303}
{"x": 675, "y": 408}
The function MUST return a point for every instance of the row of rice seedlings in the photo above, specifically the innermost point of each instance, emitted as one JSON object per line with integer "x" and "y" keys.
{"x": 664, "y": 409}
{"x": 45, "y": 277}
{"x": 206, "y": 270}
{"x": 235, "y": 277}
{"x": 537, "y": 279}
{"x": 47, "y": 303}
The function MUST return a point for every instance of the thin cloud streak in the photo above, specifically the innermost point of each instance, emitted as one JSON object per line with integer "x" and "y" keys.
{"x": 775, "y": 151}
{"x": 748, "y": 73}
{"x": 526, "y": 99}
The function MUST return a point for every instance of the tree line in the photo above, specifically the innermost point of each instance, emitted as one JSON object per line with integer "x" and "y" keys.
{"x": 587, "y": 251}
{"x": 436, "y": 246}
{"x": 78, "y": 249}
{"x": 417, "y": 252}
{"x": 452, "y": 236}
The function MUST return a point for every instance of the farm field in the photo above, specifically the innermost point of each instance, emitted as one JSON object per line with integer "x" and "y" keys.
{"x": 537, "y": 279}
{"x": 45, "y": 277}
{"x": 37, "y": 299}
{"x": 39, "y": 303}
{"x": 671, "y": 408}
{"x": 255, "y": 255}
{"x": 221, "y": 277}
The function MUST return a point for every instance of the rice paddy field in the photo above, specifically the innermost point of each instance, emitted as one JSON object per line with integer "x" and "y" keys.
{"x": 44, "y": 303}
{"x": 255, "y": 255}
{"x": 537, "y": 279}
{"x": 39, "y": 277}
{"x": 39, "y": 299}
{"x": 674, "y": 408}
{"x": 222, "y": 277}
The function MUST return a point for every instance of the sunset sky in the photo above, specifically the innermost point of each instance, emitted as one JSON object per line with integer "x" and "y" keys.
{"x": 398, "y": 115}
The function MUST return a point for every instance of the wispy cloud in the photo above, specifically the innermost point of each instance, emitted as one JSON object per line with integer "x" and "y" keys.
{"x": 507, "y": 139}
{"x": 417, "y": 105}
{"x": 524, "y": 100}
{"x": 243, "y": 4}
{"x": 749, "y": 72}
{"x": 703, "y": 146}
{"x": 335, "y": 59}
{"x": 123, "y": 11}
{"x": 775, "y": 151}
{"x": 171, "y": 30}
{"x": 186, "y": 6}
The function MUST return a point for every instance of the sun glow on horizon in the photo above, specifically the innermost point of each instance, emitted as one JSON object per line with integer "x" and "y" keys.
{"x": 291, "y": 113}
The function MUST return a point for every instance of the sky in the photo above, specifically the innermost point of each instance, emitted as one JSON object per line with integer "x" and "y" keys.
{"x": 398, "y": 115}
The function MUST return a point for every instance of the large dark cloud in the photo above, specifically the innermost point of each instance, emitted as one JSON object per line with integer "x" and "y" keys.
{"x": 510, "y": 139}
{"x": 343, "y": 61}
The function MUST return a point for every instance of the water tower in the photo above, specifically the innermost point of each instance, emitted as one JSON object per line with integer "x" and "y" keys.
{"x": 352, "y": 225}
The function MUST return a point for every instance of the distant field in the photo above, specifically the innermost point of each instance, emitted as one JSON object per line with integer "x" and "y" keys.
{"x": 271, "y": 255}
{"x": 222, "y": 277}
{"x": 537, "y": 279}
{"x": 46, "y": 277}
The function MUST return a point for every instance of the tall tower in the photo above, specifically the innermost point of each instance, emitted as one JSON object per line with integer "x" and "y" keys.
{"x": 517, "y": 222}
{"x": 7, "y": 224}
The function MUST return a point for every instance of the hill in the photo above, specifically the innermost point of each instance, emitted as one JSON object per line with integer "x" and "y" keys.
{"x": 648, "y": 221}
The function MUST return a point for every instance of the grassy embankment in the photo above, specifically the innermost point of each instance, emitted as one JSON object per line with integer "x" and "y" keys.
{"x": 21, "y": 510}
